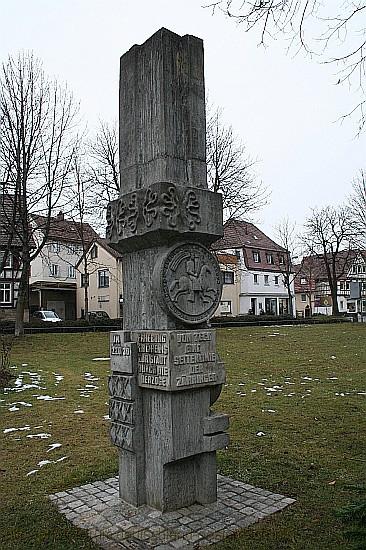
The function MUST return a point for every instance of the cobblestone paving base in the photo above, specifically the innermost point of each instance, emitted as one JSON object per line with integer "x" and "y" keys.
{"x": 114, "y": 524}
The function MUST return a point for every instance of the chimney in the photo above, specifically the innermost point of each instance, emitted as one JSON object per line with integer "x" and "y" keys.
{"x": 60, "y": 216}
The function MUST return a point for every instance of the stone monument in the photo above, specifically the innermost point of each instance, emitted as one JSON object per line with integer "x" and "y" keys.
{"x": 166, "y": 372}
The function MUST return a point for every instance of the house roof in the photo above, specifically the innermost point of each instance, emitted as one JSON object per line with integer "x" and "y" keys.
{"x": 67, "y": 231}
{"x": 9, "y": 238}
{"x": 239, "y": 233}
{"x": 245, "y": 235}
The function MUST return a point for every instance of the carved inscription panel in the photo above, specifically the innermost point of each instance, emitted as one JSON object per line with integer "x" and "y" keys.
{"x": 177, "y": 360}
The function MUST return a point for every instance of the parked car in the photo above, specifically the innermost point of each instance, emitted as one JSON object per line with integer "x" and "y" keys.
{"x": 98, "y": 315}
{"x": 47, "y": 316}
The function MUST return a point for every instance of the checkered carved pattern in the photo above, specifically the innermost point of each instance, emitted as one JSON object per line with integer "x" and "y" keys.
{"x": 122, "y": 436}
{"x": 121, "y": 411}
{"x": 121, "y": 386}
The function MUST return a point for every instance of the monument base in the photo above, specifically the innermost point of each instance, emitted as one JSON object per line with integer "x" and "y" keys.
{"x": 114, "y": 524}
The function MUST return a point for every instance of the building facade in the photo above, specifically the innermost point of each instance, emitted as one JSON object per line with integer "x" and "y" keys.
{"x": 260, "y": 271}
{"x": 99, "y": 280}
{"x": 312, "y": 288}
{"x": 53, "y": 277}
{"x": 10, "y": 259}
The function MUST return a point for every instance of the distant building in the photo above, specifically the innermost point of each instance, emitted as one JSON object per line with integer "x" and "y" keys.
{"x": 53, "y": 273}
{"x": 259, "y": 272}
{"x": 10, "y": 250}
{"x": 313, "y": 291}
{"x": 229, "y": 304}
{"x": 103, "y": 279}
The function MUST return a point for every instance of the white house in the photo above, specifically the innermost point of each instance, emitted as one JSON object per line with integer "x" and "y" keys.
{"x": 260, "y": 271}
{"x": 53, "y": 273}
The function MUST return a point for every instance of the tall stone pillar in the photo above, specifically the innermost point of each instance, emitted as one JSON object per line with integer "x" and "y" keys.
{"x": 165, "y": 369}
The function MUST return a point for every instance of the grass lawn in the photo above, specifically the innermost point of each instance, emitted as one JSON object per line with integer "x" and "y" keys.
{"x": 296, "y": 397}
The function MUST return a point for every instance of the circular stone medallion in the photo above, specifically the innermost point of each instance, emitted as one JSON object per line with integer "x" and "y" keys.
{"x": 188, "y": 282}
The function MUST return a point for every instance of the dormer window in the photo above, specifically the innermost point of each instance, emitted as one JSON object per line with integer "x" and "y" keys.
{"x": 256, "y": 256}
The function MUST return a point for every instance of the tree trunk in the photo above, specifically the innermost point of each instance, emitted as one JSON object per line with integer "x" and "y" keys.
{"x": 22, "y": 300}
{"x": 86, "y": 291}
{"x": 335, "y": 309}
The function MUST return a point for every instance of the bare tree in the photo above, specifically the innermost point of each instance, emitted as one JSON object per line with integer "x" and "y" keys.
{"x": 331, "y": 32}
{"x": 330, "y": 235}
{"x": 103, "y": 165}
{"x": 230, "y": 170}
{"x": 36, "y": 150}
{"x": 357, "y": 204}
{"x": 286, "y": 237}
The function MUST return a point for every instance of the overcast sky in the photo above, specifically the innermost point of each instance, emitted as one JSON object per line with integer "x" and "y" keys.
{"x": 285, "y": 109}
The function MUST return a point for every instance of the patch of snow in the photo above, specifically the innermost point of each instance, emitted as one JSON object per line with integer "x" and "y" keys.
{"x": 268, "y": 410}
{"x": 106, "y": 417}
{"x": 40, "y": 436}
{"x": 333, "y": 357}
{"x": 260, "y": 434}
{"x": 53, "y": 446}
{"x": 32, "y": 472}
{"x": 14, "y": 408}
{"x": 24, "y": 364}
{"x": 79, "y": 411}
{"x": 101, "y": 359}
{"x": 8, "y": 430}
{"x": 306, "y": 378}
{"x": 49, "y": 398}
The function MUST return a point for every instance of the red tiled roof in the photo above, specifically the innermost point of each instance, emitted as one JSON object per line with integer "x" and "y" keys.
{"x": 68, "y": 231}
{"x": 238, "y": 233}
{"x": 245, "y": 235}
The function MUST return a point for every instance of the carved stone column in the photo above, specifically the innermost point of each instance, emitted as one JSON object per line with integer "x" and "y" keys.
{"x": 165, "y": 369}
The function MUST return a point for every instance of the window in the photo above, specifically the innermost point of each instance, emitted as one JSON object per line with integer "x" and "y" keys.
{"x": 55, "y": 247}
{"x": 342, "y": 304}
{"x": 341, "y": 285}
{"x": 347, "y": 285}
{"x": 256, "y": 256}
{"x": 303, "y": 297}
{"x": 103, "y": 278}
{"x": 103, "y": 299}
{"x": 228, "y": 277}
{"x": 72, "y": 249}
{"x": 276, "y": 280}
{"x": 359, "y": 268}
{"x": 303, "y": 281}
{"x": 54, "y": 270}
{"x": 281, "y": 260}
{"x": 5, "y": 293}
{"x": 266, "y": 280}
{"x": 8, "y": 261}
{"x": 255, "y": 277}
{"x": 269, "y": 258}
{"x": 225, "y": 306}
{"x": 94, "y": 252}
{"x": 72, "y": 272}
{"x": 354, "y": 269}
{"x": 84, "y": 280}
